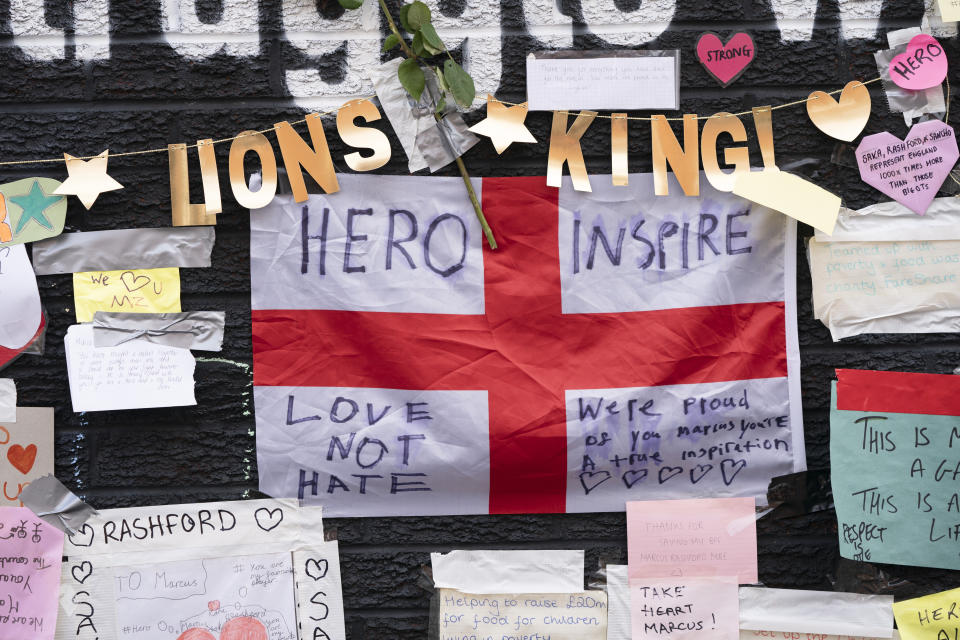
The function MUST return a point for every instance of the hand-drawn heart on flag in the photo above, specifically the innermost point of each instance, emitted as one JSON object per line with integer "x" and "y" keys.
{"x": 911, "y": 170}
{"x": 725, "y": 62}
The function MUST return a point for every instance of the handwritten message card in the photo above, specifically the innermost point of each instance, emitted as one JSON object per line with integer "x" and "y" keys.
{"x": 132, "y": 375}
{"x": 636, "y": 81}
{"x": 932, "y": 617}
{"x": 565, "y": 616}
{"x": 885, "y": 287}
{"x": 685, "y": 609}
{"x": 702, "y": 538}
{"x": 198, "y": 571}
{"x": 30, "y": 554}
{"x": 26, "y": 447}
{"x": 134, "y": 291}
{"x": 207, "y": 594}
{"x": 898, "y": 437}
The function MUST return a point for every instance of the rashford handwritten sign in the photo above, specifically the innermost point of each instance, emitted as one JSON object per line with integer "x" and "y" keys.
{"x": 619, "y": 346}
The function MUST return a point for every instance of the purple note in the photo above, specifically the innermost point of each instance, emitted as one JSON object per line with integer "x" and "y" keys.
{"x": 911, "y": 170}
{"x": 30, "y": 554}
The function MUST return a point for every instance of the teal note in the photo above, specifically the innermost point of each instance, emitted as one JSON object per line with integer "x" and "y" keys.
{"x": 896, "y": 486}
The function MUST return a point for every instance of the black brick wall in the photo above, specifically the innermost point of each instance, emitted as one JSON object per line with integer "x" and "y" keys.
{"x": 145, "y": 95}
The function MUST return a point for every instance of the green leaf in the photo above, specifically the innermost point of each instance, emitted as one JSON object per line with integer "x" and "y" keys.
{"x": 411, "y": 77}
{"x": 418, "y": 15}
{"x": 417, "y": 45}
{"x": 441, "y": 80}
{"x": 351, "y": 4}
{"x": 431, "y": 38}
{"x": 391, "y": 41}
{"x": 404, "y": 10}
{"x": 461, "y": 84}
{"x": 441, "y": 106}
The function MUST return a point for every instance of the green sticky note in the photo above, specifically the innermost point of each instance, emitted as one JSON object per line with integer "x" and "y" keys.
{"x": 29, "y": 211}
{"x": 895, "y": 476}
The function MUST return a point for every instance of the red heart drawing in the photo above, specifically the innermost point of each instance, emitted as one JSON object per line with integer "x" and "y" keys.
{"x": 243, "y": 628}
{"x": 22, "y": 459}
{"x": 213, "y": 605}
{"x": 725, "y": 62}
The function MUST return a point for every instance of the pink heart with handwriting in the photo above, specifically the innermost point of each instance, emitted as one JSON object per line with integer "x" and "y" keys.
{"x": 911, "y": 170}
{"x": 922, "y": 66}
{"x": 725, "y": 62}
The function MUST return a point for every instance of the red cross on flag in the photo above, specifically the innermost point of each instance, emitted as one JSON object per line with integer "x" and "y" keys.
{"x": 618, "y": 346}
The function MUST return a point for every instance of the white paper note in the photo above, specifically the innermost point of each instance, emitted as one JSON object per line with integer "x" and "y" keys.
{"x": 8, "y": 400}
{"x": 134, "y": 375}
{"x": 20, "y": 312}
{"x": 603, "y": 83}
{"x": 618, "y": 599}
{"x": 549, "y": 571}
{"x": 231, "y": 569}
{"x": 829, "y": 612}
{"x": 526, "y": 616}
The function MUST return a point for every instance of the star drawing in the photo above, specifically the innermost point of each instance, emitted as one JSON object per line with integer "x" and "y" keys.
{"x": 34, "y": 204}
{"x": 503, "y": 124}
{"x": 87, "y": 179}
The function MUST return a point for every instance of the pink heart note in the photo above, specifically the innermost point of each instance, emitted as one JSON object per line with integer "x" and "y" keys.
{"x": 912, "y": 170}
{"x": 725, "y": 62}
{"x": 924, "y": 64}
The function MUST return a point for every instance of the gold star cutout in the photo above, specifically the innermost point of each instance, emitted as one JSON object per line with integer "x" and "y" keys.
{"x": 503, "y": 124}
{"x": 87, "y": 178}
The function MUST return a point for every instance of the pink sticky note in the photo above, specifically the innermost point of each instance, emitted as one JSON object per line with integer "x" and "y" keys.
{"x": 912, "y": 170}
{"x": 693, "y": 538}
{"x": 31, "y": 551}
{"x": 922, "y": 66}
{"x": 685, "y": 608}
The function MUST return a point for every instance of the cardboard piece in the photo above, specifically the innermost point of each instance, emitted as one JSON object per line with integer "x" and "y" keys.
{"x": 152, "y": 573}
{"x": 726, "y": 62}
{"x": 894, "y": 493}
{"x": 911, "y": 170}
{"x": 134, "y": 375}
{"x": 790, "y": 195}
{"x": 693, "y": 538}
{"x": 685, "y": 608}
{"x": 31, "y": 553}
{"x": 567, "y": 616}
{"x": 601, "y": 80}
{"x": 136, "y": 290}
{"x": 509, "y": 571}
{"x": 26, "y": 451}
{"x": 923, "y": 65}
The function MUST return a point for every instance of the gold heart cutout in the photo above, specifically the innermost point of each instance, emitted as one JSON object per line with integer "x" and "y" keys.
{"x": 843, "y": 120}
{"x": 134, "y": 282}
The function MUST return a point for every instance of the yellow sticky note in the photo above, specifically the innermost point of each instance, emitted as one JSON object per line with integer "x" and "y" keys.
{"x": 933, "y": 617}
{"x": 790, "y": 195}
{"x": 132, "y": 291}
{"x": 949, "y": 10}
